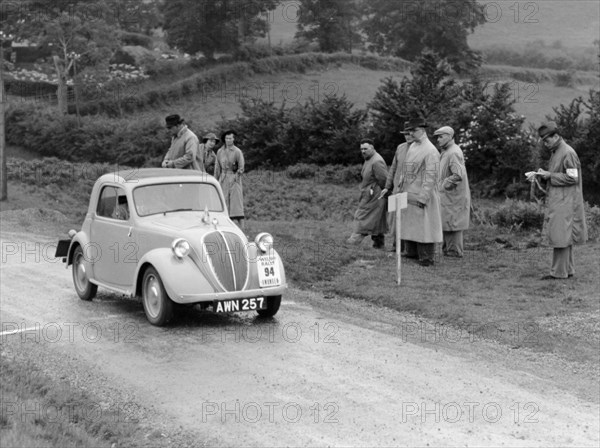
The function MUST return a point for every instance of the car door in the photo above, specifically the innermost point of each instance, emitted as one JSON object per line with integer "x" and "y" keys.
{"x": 112, "y": 234}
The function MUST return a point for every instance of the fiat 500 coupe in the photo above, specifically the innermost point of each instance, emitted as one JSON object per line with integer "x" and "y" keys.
{"x": 165, "y": 236}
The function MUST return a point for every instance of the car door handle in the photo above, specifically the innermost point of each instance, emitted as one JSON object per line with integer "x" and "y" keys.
{"x": 130, "y": 230}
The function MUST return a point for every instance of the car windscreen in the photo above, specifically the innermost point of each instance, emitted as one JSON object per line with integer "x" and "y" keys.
{"x": 164, "y": 198}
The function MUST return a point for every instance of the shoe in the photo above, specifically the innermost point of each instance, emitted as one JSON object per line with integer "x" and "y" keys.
{"x": 570, "y": 275}
{"x": 549, "y": 277}
{"x": 426, "y": 263}
{"x": 452, "y": 255}
{"x": 412, "y": 257}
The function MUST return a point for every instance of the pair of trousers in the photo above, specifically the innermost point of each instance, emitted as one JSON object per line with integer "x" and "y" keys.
{"x": 453, "y": 243}
{"x": 424, "y": 251}
{"x": 562, "y": 262}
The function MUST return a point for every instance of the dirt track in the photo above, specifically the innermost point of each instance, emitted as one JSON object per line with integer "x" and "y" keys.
{"x": 309, "y": 377}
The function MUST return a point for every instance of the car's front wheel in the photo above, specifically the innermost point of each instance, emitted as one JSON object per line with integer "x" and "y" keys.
{"x": 273, "y": 304}
{"x": 157, "y": 304}
{"x": 85, "y": 289}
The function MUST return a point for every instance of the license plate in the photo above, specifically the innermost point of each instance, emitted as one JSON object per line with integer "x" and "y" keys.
{"x": 268, "y": 271}
{"x": 228, "y": 306}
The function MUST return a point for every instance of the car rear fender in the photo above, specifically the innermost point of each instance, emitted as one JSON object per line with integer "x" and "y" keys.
{"x": 180, "y": 276}
{"x": 89, "y": 249}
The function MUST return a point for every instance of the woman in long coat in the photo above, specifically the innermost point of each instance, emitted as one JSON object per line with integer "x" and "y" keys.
{"x": 229, "y": 168}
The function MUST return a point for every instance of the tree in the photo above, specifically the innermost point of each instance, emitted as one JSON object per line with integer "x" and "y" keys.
{"x": 332, "y": 23}
{"x": 210, "y": 26}
{"x": 579, "y": 125}
{"x": 72, "y": 31}
{"x": 406, "y": 29}
{"x": 430, "y": 92}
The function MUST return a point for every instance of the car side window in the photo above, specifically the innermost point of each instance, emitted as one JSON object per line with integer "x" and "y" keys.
{"x": 113, "y": 204}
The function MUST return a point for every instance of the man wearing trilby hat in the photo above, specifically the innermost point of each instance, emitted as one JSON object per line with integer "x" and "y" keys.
{"x": 184, "y": 145}
{"x": 564, "y": 223}
{"x": 421, "y": 221}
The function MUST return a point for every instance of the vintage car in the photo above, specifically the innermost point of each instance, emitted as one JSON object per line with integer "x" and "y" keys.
{"x": 165, "y": 235}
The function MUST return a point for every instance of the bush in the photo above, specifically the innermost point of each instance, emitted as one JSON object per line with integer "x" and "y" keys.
{"x": 319, "y": 133}
{"x": 136, "y": 39}
{"x": 519, "y": 215}
{"x": 592, "y": 217}
{"x": 92, "y": 139}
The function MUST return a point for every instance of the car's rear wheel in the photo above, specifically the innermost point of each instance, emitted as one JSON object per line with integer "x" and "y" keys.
{"x": 85, "y": 289}
{"x": 273, "y": 304}
{"x": 157, "y": 304}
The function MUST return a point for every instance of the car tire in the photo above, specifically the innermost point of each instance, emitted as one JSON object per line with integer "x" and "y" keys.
{"x": 273, "y": 304}
{"x": 85, "y": 289}
{"x": 157, "y": 304}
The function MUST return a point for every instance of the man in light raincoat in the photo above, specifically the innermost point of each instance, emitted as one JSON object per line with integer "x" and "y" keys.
{"x": 455, "y": 195}
{"x": 564, "y": 223}
{"x": 371, "y": 216}
{"x": 421, "y": 221}
{"x": 394, "y": 180}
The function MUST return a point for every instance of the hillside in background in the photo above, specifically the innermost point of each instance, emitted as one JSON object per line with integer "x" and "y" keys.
{"x": 575, "y": 23}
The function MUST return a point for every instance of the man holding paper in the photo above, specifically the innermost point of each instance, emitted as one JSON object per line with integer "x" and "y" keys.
{"x": 421, "y": 221}
{"x": 564, "y": 223}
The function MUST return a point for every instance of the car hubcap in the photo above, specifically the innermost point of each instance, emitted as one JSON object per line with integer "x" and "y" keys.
{"x": 152, "y": 295}
{"x": 80, "y": 274}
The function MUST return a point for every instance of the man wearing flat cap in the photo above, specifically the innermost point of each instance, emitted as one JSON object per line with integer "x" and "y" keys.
{"x": 421, "y": 221}
{"x": 229, "y": 167}
{"x": 394, "y": 179}
{"x": 455, "y": 195}
{"x": 370, "y": 217}
{"x": 184, "y": 145}
{"x": 564, "y": 223}
{"x": 206, "y": 155}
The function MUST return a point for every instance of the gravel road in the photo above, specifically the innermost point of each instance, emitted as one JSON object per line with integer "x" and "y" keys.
{"x": 321, "y": 373}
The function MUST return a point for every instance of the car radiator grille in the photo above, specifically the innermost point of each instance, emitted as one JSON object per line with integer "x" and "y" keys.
{"x": 228, "y": 256}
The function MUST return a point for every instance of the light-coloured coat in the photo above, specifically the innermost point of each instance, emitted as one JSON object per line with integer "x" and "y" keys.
{"x": 229, "y": 168}
{"x": 371, "y": 215}
{"x": 396, "y": 172}
{"x": 455, "y": 195}
{"x": 184, "y": 149}
{"x": 564, "y": 223}
{"x": 422, "y": 164}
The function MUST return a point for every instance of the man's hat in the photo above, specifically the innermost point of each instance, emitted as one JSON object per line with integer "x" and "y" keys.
{"x": 547, "y": 128}
{"x": 414, "y": 123}
{"x": 445, "y": 130}
{"x": 173, "y": 120}
{"x": 230, "y": 131}
{"x": 210, "y": 136}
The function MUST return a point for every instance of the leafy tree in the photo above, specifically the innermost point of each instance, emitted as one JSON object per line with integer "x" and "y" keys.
{"x": 430, "y": 92}
{"x": 405, "y": 29}
{"x": 325, "y": 132}
{"x": 579, "y": 124}
{"x": 210, "y": 26}
{"x": 332, "y": 23}
{"x": 75, "y": 32}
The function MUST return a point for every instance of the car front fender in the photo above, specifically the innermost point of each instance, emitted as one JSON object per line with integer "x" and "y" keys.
{"x": 180, "y": 276}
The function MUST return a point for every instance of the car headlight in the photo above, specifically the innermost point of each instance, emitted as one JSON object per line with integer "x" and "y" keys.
{"x": 264, "y": 241}
{"x": 180, "y": 247}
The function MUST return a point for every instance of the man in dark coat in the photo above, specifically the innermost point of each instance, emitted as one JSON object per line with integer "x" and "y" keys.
{"x": 371, "y": 216}
{"x": 564, "y": 223}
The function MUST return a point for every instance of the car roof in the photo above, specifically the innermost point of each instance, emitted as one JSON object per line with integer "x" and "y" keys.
{"x": 141, "y": 176}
